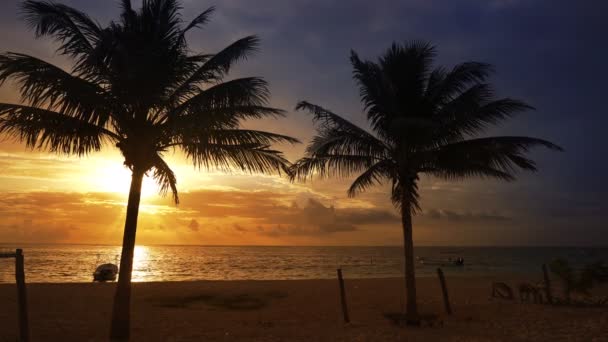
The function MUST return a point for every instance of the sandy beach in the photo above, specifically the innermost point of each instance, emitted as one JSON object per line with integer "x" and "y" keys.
{"x": 299, "y": 310}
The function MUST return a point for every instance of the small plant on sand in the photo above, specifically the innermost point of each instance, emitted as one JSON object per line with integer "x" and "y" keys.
{"x": 579, "y": 282}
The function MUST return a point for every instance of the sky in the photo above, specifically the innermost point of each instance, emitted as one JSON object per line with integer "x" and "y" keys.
{"x": 548, "y": 53}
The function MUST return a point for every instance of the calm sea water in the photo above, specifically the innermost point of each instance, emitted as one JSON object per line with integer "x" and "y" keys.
{"x": 75, "y": 263}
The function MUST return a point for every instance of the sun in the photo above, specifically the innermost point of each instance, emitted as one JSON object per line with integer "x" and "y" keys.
{"x": 115, "y": 177}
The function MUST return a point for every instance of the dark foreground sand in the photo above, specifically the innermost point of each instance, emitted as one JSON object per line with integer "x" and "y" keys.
{"x": 301, "y": 310}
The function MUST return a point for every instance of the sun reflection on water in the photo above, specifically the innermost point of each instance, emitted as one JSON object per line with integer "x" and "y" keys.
{"x": 141, "y": 263}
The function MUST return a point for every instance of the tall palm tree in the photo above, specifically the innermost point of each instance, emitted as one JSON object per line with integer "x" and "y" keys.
{"x": 135, "y": 84}
{"x": 424, "y": 121}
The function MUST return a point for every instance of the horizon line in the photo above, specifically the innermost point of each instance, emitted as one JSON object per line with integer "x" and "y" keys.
{"x": 2, "y": 244}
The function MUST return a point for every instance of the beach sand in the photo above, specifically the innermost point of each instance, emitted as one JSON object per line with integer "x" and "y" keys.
{"x": 298, "y": 310}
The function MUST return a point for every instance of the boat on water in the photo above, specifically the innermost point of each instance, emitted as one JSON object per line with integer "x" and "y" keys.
{"x": 105, "y": 272}
{"x": 442, "y": 262}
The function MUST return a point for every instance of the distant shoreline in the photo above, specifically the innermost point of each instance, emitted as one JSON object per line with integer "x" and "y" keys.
{"x": 17, "y": 244}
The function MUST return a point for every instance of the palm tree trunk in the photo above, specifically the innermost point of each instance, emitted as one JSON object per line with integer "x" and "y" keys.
{"x": 410, "y": 276}
{"x": 121, "y": 311}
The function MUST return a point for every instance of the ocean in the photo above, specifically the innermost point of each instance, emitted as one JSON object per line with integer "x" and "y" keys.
{"x": 76, "y": 263}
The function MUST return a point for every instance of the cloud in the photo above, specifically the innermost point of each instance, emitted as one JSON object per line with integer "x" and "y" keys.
{"x": 99, "y": 217}
{"x": 337, "y": 227}
{"x": 75, "y": 217}
{"x": 313, "y": 219}
{"x": 465, "y": 215}
{"x": 239, "y": 228}
{"x": 322, "y": 230}
{"x": 367, "y": 216}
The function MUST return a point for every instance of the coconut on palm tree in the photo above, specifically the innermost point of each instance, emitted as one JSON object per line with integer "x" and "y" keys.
{"x": 134, "y": 84}
{"x": 423, "y": 120}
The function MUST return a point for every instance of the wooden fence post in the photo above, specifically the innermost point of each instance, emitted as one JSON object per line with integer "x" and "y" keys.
{"x": 444, "y": 290}
{"x": 343, "y": 297}
{"x": 24, "y": 334}
{"x": 547, "y": 285}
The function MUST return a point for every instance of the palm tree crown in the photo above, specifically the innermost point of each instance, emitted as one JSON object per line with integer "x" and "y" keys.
{"x": 424, "y": 121}
{"x": 135, "y": 85}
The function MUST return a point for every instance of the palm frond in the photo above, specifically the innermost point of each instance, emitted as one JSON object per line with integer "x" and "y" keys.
{"x": 52, "y": 131}
{"x": 247, "y": 136}
{"x": 396, "y": 81}
{"x": 374, "y": 90}
{"x": 329, "y": 120}
{"x": 128, "y": 15}
{"x": 200, "y": 20}
{"x": 338, "y": 136}
{"x": 404, "y": 194}
{"x": 329, "y": 166}
{"x": 163, "y": 19}
{"x": 456, "y": 81}
{"x": 227, "y": 103}
{"x": 198, "y": 59}
{"x": 214, "y": 69}
{"x": 435, "y": 80}
{"x": 247, "y": 150}
{"x": 497, "y": 157}
{"x": 406, "y": 68}
{"x": 340, "y": 147}
{"x": 469, "y": 114}
{"x": 165, "y": 177}
{"x": 336, "y": 141}
{"x": 225, "y": 136}
{"x": 374, "y": 175}
{"x": 251, "y": 158}
{"x": 470, "y": 170}
{"x": 43, "y": 84}
{"x": 75, "y": 30}
{"x": 195, "y": 124}
{"x": 126, "y": 5}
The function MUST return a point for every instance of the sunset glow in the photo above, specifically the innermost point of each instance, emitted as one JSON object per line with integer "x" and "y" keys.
{"x": 55, "y": 198}
{"x": 179, "y": 170}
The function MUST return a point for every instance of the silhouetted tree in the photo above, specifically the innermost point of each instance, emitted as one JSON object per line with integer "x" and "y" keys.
{"x": 424, "y": 121}
{"x": 134, "y": 84}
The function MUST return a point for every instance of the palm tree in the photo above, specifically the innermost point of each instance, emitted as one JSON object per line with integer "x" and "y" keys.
{"x": 135, "y": 84}
{"x": 424, "y": 121}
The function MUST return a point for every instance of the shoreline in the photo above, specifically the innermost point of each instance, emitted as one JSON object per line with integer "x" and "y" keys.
{"x": 296, "y": 310}
{"x": 345, "y": 274}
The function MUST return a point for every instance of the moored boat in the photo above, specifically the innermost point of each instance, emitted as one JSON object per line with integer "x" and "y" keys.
{"x": 105, "y": 272}
{"x": 441, "y": 262}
